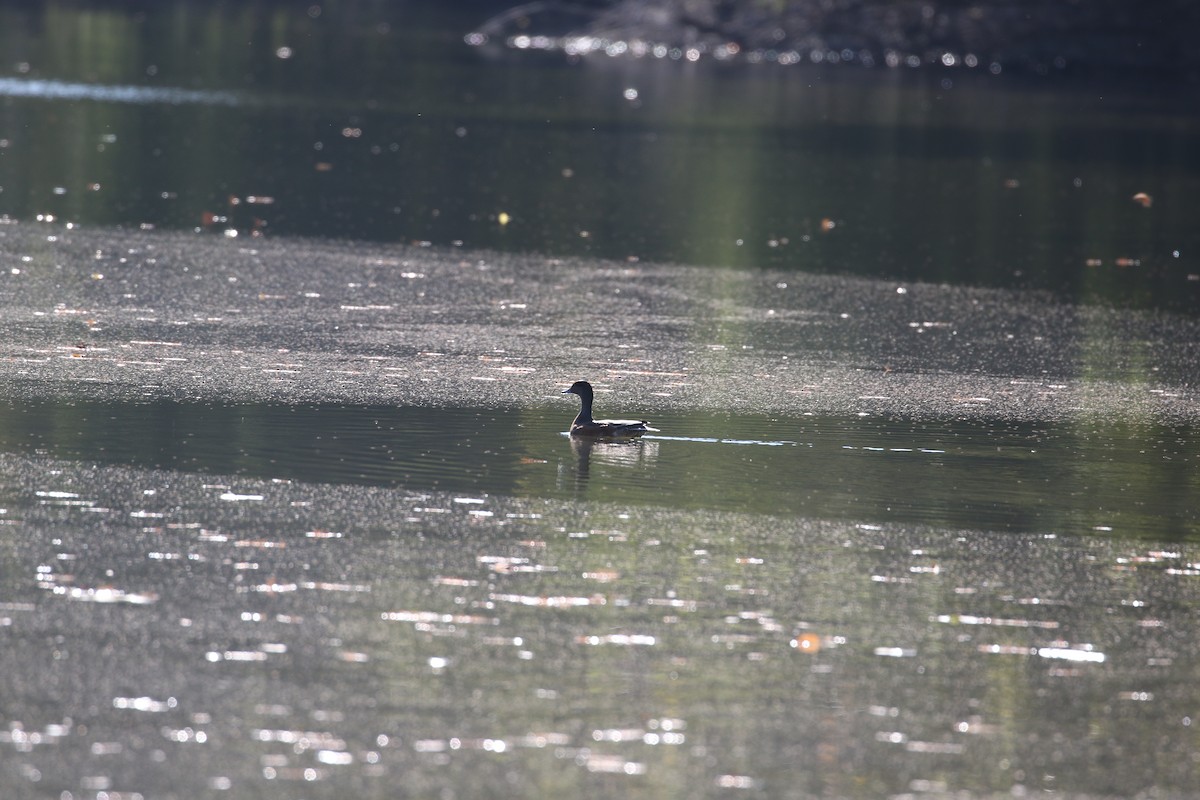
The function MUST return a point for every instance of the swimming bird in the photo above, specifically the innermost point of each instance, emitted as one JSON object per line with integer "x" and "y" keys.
{"x": 584, "y": 425}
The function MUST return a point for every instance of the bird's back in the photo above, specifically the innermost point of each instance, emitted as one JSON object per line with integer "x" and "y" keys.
{"x": 611, "y": 427}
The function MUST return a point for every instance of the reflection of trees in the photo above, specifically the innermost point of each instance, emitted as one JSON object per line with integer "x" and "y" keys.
{"x": 1072, "y": 477}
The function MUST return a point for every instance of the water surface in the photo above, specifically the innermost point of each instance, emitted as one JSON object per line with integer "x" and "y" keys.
{"x": 382, "y": 124}
{"x": 170, "y": 632}
{"x": 286, "y": 508}
{"x": 1131, "y": 480}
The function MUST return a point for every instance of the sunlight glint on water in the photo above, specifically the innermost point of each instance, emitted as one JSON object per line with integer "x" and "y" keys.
{"x": 990, "y": 475}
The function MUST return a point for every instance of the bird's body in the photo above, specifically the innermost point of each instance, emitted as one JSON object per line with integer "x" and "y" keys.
{"x": 584, "y": 425}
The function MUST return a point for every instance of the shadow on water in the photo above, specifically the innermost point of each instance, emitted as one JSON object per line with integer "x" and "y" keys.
{"x": 1083, "y": 477}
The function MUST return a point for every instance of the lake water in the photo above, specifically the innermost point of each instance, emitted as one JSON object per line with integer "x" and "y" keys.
{"x": 193, "y": 633}
{"x": 286, "y": 504}
{"x": 385, "y": 125}
{"x": 1016, "y": 476}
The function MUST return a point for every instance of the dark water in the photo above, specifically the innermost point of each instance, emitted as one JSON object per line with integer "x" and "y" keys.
{"x": 379, "y": 122}
{"x": 1085, "y": 477}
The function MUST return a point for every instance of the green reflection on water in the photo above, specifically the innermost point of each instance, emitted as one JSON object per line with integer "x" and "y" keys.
{"x": 384, "y": 125}
{"x": 1131, "y": 479}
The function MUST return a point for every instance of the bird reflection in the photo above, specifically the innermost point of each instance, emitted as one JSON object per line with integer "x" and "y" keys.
{"x": 627, "y": 453}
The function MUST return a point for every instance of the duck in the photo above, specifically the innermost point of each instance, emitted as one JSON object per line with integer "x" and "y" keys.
{"x": 584, "y": 425}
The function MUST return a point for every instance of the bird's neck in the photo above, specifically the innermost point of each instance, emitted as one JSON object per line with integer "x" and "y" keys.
{"x": 585, "y": 411}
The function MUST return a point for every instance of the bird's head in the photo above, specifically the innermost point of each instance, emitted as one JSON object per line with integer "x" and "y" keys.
{"x": 581, "y": 388}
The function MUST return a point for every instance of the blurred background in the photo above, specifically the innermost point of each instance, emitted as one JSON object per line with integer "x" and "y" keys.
{"x": 1045, "y": 145}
